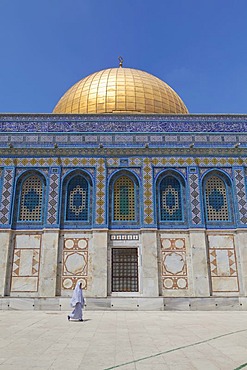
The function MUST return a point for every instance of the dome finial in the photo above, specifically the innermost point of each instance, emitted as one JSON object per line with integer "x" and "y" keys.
{"x": 120, "y": 61}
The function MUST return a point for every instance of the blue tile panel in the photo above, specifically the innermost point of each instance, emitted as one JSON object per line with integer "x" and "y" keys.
{"x": 53, "y": 197}
{"x": 122, "y": 123}
{"x": 77, "y": 199}
{"x": 195, "y": 201}
{"x": 170, "y": 199}
{"x": 241, "y": 195}
{"x": 7, "y": 193}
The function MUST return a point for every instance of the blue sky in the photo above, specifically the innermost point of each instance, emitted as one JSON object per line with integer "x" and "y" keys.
{"x": 197, "y": 46}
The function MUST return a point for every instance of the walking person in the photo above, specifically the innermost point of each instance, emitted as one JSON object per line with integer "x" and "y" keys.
{"x": 77, "y": 301}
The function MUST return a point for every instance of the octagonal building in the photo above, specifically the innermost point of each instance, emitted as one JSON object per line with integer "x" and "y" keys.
{"x": 124, "y": 190}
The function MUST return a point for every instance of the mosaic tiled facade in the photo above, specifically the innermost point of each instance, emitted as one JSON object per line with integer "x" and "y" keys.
{"x": 167, "y": 160}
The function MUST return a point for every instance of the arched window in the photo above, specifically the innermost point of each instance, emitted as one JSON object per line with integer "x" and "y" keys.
{"x": 216, "y": 199}
{"x": 77, "y": 199}
{"x": 170, "y": 199}
{"x": 124, "y": 206}
{"x": 31, "y": 199}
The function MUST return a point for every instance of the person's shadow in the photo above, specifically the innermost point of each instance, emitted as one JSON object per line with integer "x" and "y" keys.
{"x": 80, "y": 321}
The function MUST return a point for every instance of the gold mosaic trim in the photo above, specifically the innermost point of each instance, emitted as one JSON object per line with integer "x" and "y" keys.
{"x": 167, "y": 161}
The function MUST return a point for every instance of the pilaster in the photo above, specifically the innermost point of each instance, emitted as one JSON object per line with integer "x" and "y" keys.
{"x": 48, "y": 264}
{"x": 199, "y": 262}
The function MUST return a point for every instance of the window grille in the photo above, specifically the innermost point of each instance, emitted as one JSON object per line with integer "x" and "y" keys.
{"x": 170, "y": 199}
{"x": 77, "y": 199}
{"x": 124, "y": 270}
{"x": 31, "y": 199}
{"x": 124, "y": 199}
{"x": 216, "y": 200}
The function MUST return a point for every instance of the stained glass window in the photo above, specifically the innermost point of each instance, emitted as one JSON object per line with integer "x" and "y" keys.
{"x": 124, "y": 199}
{"x": 31, "y": 199}
{"x": 77, "y": 199}
{"x": 216, "y": 199}
{"x": 170, "y": 199}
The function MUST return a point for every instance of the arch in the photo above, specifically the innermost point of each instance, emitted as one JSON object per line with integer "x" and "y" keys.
{"x": 77, "y": 198}
{"x": 123, "y": 195}
{"x": 217, "y": 197}
{"x": 170, "y": 191}
{"x": 29, "y": 198}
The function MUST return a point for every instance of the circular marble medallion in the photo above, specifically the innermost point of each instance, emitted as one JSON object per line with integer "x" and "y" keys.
{"x": 168, "y": 283}
{"x": 67, "y": 283}
{"x": 166, "y": 243}
{"x": 181, "y": 283}
{"x": 69, "y": 243}
{"x": 82, "y": 243}
{"x": 179, "y": 243}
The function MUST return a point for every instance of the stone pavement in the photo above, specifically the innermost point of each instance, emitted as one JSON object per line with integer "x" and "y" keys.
{"x": 124, "y": 340}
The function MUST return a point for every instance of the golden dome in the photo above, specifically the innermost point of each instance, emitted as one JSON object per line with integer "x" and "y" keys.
{"x": 120, "y": 90}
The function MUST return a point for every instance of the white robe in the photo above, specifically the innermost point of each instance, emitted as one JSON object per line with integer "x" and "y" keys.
{"x": 76, "y": 314}
{"x": 77, "y": 301}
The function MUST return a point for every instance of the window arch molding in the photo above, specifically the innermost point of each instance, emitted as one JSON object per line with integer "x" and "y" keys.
{"x": 124, "y": 178}
{"x": 217, "y": 190}
{"x": 30, "y": 206}
{"x": 176, "y": 193}
{"x": 77, "y": 199}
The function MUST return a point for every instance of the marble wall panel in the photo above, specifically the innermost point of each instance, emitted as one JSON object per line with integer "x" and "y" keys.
{"x": 223, "y": 264}
{"x": 174, "y": 274}
{"x": 75, "y": 262}
{"x": 5, "y": 242}
{"x": 199, "y": 263}
{"x": 149, "y": 268}
{"x": 241, "y": 250}
{"x": 26, "y": 263}
{"x": 27, "y": 241}
{"x": 24, "y": 284}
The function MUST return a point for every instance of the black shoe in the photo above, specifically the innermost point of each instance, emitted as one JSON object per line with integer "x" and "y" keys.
{"x": 68, "y": 317}
{"x": 80, "y": 319}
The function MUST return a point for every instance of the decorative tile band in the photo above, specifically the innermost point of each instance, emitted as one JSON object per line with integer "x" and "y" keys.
{"x": 176, "y": 161}
{"x": 7, "y": 192}
{"x": 148, "y": 192}
{"x": 53, "y": 198}
{"x": 100, "y": 192}
{"x": 241, "y": 195}
{"x": 126, "y": 123}
{"x": 195, "y": 199}
{"x": 124, "y": 237}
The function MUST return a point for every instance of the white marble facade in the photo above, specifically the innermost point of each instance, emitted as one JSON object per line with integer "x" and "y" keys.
{"x": 175, "y": 264}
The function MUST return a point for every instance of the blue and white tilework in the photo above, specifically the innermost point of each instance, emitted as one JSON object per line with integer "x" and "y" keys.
{"x": 196, "y": 217}
{"x": 241, "y": 195}
{"x": 148, "y": 192}
{"x": 52, "y": 210}
{"x": 7, "y": 193}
